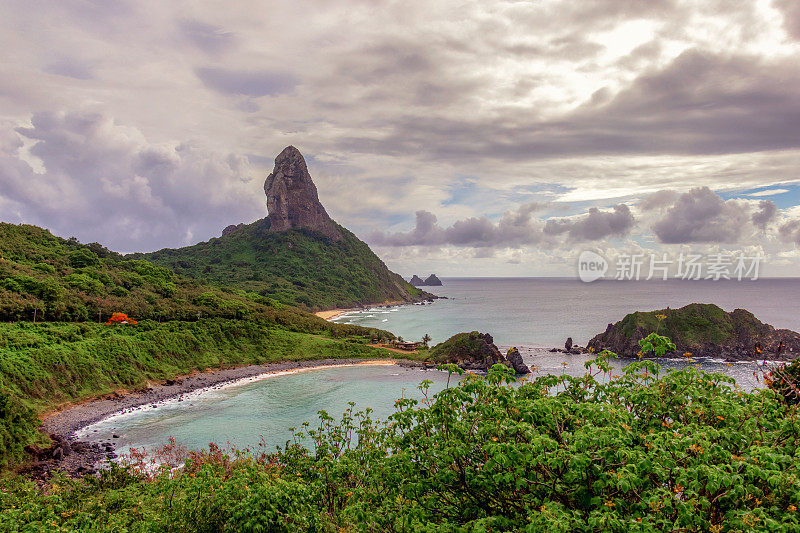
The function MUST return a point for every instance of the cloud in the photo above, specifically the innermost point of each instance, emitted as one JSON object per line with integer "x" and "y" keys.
{"x": 765, "y": 214}
{"x": 790, "y": 232}
{"x": 246, "y": 83}
{"x": 207, "y": 37}
{"x": 701, "y": 216}
{"x": 106, "y": 182}
{"x": 791, "y": 16}
{"x": 515, "y": 228}
{"x": 596, "y": 225}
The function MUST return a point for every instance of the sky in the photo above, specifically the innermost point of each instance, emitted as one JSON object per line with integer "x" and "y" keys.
{"x": 486, "y": 138}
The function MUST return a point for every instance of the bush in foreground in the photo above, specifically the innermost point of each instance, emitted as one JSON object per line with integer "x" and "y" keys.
{"x": 637, "y": 451}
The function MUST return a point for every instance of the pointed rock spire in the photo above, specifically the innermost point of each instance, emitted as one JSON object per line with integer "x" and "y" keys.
{"x": 292, "y": 199}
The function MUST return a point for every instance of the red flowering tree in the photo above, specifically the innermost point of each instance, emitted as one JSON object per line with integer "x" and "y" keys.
{"x": 120, "y": 318}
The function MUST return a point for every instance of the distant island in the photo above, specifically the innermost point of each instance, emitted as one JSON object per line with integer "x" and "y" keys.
{"x": 701, "y": 330}
{"x": 430, "y": 281}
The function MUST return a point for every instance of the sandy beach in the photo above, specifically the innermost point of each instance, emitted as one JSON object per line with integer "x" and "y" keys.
{"x": 333, "y": 313}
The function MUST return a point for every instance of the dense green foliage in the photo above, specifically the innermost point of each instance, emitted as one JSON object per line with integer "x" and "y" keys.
{"x": 692, "y": 324}
{"x": 638, "y": 451}
{"x": 296, "y": 267}
{"x": 43, "y": 365}
{"x": 49, "y": 278}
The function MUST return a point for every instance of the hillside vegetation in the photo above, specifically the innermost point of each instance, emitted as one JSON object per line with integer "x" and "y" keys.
{"x": 297, "y": 267}
{"x": 49, "y": 278}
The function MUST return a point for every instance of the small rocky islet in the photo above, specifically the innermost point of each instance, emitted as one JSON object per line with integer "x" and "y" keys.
{"x": 697, "y": 330}
{"x": 430, "y": 281}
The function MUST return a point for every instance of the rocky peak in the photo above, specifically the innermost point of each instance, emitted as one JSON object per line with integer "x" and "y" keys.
{"x": 292, "y": 199}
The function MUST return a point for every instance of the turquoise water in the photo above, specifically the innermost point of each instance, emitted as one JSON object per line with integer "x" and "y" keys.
{"x": 533, "y": 314}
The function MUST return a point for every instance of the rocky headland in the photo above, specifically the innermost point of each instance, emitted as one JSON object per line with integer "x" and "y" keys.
{"x": 476, "y": 351}
{"x": 702, "y": 330}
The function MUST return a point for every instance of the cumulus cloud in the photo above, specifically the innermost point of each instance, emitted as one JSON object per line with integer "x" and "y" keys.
{"x": 106, "y": 182}
{"x": 595, "y": 225}
{"x": 702, "y": 216}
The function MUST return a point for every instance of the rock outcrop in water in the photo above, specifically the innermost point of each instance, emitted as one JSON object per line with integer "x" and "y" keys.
{"x": 433, "y": 281}
{"x": 430, "y": 281}
{"x": 703, "y": 330}
{"x": 474, "y": 351}
{"x": 292, "y": 199}
{"x": 514, "y": 358}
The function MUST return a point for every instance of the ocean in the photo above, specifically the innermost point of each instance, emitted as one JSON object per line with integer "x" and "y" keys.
{"x": 543, "y": 312}
{"x": 533, "y": 314}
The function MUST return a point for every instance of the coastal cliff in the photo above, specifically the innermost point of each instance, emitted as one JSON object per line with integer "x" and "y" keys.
{"x": 703, "y": 330}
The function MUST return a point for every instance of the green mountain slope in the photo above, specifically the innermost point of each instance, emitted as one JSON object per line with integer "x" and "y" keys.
{"x": 298, "y": 267}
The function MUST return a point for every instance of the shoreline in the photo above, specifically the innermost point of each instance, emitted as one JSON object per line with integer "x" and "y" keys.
{"x": 330, "y": 314}
{"x": 333, "y": 313}
{"x": 84, "y": 454}
{"x": 69, "y": 419}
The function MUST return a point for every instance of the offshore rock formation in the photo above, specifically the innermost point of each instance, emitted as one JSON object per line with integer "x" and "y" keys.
{"x": 416, "y": 281}
{"x": 514, "y": 358}
{"x": 430, "y": 281}
{"x": 292, "y": 199}
{"x": 433, "y": 281}
{"x": 702, "y": 330}
{"x": 475, "y": 351}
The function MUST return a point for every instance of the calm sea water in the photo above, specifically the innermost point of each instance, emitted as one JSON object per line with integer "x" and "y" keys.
{"x": 533, "y": 314}
{"x": 545, "y": 311}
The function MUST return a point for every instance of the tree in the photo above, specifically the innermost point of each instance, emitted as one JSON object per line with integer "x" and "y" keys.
{"x": 426, "y": 339}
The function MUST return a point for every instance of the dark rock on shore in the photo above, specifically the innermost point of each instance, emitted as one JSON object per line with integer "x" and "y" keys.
{"x": 702, "y": 330}
{"x": 472, "y": 351}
